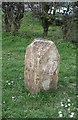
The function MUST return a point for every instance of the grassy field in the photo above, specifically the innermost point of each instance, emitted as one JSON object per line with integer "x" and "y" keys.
{"x": 17, "y": 101}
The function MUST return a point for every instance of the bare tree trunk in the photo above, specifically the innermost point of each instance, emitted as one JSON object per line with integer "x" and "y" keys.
{"x": 45, "y": 25}
{"x": 70, "y": 25}
{"x": 45, "y": 22}
{"x": 18, "y": 16}
{"x": 76, "y": 19}
{"x": 7, "y": 9}
{"x": 13, "y": 13}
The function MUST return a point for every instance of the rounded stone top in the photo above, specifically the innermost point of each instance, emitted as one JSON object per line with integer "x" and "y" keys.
{"x": 40, "y": 46}
{"x": 41, "y": 40}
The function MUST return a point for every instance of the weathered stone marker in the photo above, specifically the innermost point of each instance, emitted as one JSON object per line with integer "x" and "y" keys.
{"x": 41, "y": 66}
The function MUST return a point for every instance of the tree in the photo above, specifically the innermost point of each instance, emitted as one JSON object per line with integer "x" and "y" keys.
{"x": 50, "y": 13}
{"x": 44, "y": 12}
{"x": 76, "y": 19}
{"x": 13, "y": 14}
{"x": 70, "y": 25}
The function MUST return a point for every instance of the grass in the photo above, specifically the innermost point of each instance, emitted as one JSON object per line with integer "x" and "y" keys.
{"x": 0, "y": 66}
{"x": 17, "y": 101}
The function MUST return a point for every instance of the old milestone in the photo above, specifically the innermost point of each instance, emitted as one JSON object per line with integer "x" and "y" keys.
{"x": 41, "y": 66}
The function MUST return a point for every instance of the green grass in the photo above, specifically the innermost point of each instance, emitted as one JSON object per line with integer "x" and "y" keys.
{"x": 0, "y": 65}
{"x": 17, "y": 101}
